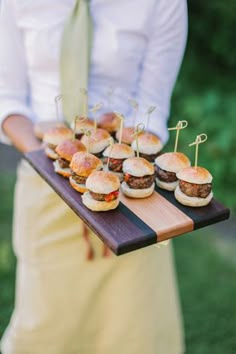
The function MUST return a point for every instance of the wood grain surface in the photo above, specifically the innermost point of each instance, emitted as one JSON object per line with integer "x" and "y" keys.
{"x": 135, "y": 223}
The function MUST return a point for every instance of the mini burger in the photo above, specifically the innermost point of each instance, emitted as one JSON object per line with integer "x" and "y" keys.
{"x": 139, "y": 176}
{"x": 103, "y": 191}
{"x": 82, "y": 165}
{"x": 97, "y": 141}
{"x": 149, "y": 146}
{"x": 127, "y": 135}
{"x": 110, "y": 122}
{"x": 40, "y": 128}
{"x": 65, "y": 151}
{"x": 54, "y": 137}
{"x": 195, "y": 187}
{"x": 81, "y": 126}
{"x": 117, "y": 154}
{"x": 167, "y": 166}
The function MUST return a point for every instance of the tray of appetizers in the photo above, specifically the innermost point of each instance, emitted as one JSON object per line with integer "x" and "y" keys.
{"x": 129, "y": 201}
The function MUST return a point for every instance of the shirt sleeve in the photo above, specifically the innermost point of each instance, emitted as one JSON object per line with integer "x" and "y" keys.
{"x": 13, "y": 72}
{"x": 165, "y": 49}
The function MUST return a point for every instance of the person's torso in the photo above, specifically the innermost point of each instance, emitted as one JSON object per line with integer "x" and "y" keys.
{"x": 121, "y": 31}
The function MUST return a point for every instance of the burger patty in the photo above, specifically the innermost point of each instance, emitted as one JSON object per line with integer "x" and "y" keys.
{"x": 78, "y": 135}
{"x": 115, "y": 165}
{"x": 195, "y": 190}
{"x": 165, "y": 176}
{"x": 140, "y": 182}
{"x": 63, "y": 163}
{"x": 78, "y": 179}
{"x": 150, "y": 158}
{"x": 103, "y": 197}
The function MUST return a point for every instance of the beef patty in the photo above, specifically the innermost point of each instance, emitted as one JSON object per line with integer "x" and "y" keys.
{"x": 165, "y": 176}
{"x": 139, "y": 182}
{"x": 195, "y": 190}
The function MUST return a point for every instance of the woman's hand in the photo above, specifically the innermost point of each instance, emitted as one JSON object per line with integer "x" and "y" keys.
{"x": 19, "y": 130}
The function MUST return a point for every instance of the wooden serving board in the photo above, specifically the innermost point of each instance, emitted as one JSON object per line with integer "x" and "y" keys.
{"x": 136, "y": 223}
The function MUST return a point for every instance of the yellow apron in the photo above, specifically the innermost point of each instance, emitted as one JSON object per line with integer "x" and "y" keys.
{"x": 66, "y": 304}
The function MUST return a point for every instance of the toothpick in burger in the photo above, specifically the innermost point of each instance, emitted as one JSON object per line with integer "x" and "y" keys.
{"x": 115, "y": 155}
{"x": 127, "y": 135}
{"x": 139, "y": 176}
{"x": 110, "y": 122}
{"x": 149, "y": 146}
{"x": 97, "y": 141}
{"x": 195, "y": 186}
{"x": 65, "y": 151}
{"x": 82, "y": 165}
{"x": 54, "y": 137}
{"x": 103, "y": 191}
{"x": 167, "y": 166}
{"x": 81, "y": 125}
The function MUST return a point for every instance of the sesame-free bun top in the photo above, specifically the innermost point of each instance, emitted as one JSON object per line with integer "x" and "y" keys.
{"x": 67, "y": 148}
{"x": 56, "y": 135}
{"x": 127, "y": 135}
{"x": 172, "y": 161}
{"x": 82, "y": 124}
{"x": 83, "y": 163}
{"x": 102, "y": 182}
{"x": 148, "y": 143}
{"x": 40, "y": 128}
{"x": 109, "y": 121}
{"x": 198, "y": 175}
{"x": 98, "y": 140}
{"x": 138, "y": 167}
{"x": 119, "y": 151}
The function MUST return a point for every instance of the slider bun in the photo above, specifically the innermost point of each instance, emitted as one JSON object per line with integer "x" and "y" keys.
{"x": 138, "y": 167}
{"x": 172, "y": 161}
{"x": 65, "y": 172}
{"x": 96, "y": 205}
{"x": 77, "y": 186}
{"x": 67, "y": 148}
{"x": 137, "y": 193}
{"x": 148, "y": 144}
{"x": 198, "y": 175}
{"x": 98, "y": 140}
{"x": 127, "y": 135}
{"x": 119, "y": 151}
{"x": 82, "y": 124}
{"x": 83, "y": 163}
{"x": 169, "y": 186}
{"x": 56, "y": 135}
{"x": 102, "y": 182}
{"x": 50, "y": 153}
{"x": 109, "y": 121}
{"x": 192, "y": 201}
{"x": 40, "y": 128}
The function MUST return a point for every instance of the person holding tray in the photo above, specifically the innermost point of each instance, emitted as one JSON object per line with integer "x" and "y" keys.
{"x": 66, "y": 303}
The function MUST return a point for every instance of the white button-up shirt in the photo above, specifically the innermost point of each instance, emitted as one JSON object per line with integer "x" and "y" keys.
{"x": 137, "y": 50}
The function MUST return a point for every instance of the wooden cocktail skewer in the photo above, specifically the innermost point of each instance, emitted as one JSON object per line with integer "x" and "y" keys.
{"x": 95, "y": 109}
{"x": 135, "y": 107}
{"x": 138, "y": 130}
{"x": 57, "y": 99}
{"x": 111, "y": 143}
{"x": 122, "y": 119}
{"x": 199, "y": 140}
{"x": 149, "y": 112}
{"x": 182, "y": 124}
{"x": 84, "y": 92}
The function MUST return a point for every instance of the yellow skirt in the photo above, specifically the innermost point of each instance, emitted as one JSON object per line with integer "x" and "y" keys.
{"x": 67, "y": 304}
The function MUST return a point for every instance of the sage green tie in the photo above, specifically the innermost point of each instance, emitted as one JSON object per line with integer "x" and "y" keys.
{"x": 75, "y": 55}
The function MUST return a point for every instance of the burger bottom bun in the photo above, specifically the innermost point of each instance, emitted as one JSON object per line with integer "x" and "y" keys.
{"x": 137, "y": 193}
{"x": 96, "y": 205}
{"x": 77, "y": 186}
{"x": 191, "y": 201}
{"x": 51, "y": 153}
{"x": 65, "y": 172}
{"x": 169, "y": 186}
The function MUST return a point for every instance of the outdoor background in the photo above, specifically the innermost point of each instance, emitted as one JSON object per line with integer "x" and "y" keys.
{"x": 206, "y": 262}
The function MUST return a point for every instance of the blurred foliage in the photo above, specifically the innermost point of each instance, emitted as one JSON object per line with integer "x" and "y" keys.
{"x": 205, "y": 94}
